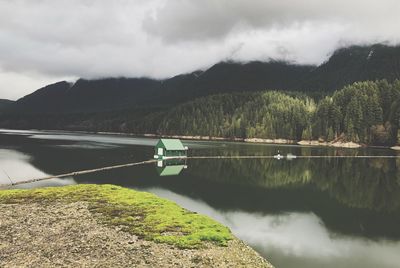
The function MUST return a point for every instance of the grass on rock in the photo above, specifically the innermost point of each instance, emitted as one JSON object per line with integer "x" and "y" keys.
{"x": 140, "y": 213}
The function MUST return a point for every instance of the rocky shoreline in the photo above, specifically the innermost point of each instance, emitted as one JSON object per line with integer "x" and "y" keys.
{"x": 337, "y": 144}
{"x": 41, "y": 230}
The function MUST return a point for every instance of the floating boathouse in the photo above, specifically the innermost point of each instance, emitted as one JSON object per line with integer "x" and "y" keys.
{"x": 170, "y": 148}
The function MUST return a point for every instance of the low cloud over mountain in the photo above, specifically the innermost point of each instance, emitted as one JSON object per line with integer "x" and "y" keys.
{"x": 45, "y": 41}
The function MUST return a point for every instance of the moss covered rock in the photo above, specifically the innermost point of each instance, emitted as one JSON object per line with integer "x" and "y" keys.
{"x": 140, "y": 213}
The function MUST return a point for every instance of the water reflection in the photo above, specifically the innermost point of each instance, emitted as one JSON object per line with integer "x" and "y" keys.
{"x": 372, "y": 183}
{"x": 104, "y": 139}
{"x": 16, "y": 166}
{"x": 170, "y": 167}
{"x": 295, "y": 239}
{"x": 298, "y": 213}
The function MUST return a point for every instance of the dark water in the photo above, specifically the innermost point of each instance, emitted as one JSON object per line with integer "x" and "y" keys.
{"x": 298, "y": 213}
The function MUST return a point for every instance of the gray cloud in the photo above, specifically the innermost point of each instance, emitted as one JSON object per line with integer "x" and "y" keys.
{"x": 47, "y": 40}
{"x": 217, "y": 19}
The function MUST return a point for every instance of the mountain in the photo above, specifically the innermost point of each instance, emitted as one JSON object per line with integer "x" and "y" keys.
{"x": 44, "y": 99}
{"x": 363, "y": 112}
{"x": 122, "y": 93}
{"x": 227, "y": 77}
{"x": 5, "y": 103}
{"x": 252, "y": 76}
{"x": 345, "y": 66}
{"x": 88, "y": 95}
{"x": 355, "y": 63}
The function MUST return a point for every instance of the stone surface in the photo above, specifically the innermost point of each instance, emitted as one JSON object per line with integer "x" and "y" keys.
{"x": 69, "y": 235}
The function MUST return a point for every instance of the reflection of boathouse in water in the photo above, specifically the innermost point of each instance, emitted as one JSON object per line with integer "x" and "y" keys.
{"x": 171, "y": 156}
{"x": 171, "y": 167}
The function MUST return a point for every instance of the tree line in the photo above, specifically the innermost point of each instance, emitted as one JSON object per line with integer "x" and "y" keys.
{"x": 364, "y": 112}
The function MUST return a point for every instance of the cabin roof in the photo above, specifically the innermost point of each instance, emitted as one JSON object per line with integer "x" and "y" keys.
{"x": 172, "y": 144}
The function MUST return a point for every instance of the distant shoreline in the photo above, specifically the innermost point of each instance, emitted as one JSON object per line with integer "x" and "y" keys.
{"x": 337, "y": 144}
{"x": 311, "y": 143}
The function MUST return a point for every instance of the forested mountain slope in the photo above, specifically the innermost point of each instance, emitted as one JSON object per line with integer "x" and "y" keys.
{"x": 345, "y": 66}
{"x": 365, "y": 112}
{"x": 355, "y": 63}
{"x": 5, "y": 103}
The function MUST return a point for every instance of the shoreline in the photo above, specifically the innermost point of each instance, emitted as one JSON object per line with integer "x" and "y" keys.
{"x": 311, "y": 143}
{"x": 331, "y": 144}
{"x": 107, "y": 225}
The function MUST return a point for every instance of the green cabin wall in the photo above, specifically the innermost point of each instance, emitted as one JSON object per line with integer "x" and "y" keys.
{"x": 166, "y": 152}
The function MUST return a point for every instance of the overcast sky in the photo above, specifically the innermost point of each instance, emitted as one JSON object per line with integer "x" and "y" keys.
{"x": 44, "y": 41}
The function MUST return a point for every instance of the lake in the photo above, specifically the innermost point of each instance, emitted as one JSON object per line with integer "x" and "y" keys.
{"x": 329, "y": 212}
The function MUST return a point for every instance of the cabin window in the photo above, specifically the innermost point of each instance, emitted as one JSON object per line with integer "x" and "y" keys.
{"x": 160, "y": 151}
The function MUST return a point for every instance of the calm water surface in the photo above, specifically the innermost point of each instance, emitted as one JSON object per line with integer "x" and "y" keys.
{"x": 298, "y": 213}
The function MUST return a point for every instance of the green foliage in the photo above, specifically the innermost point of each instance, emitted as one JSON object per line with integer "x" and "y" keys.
{"x": 307, "y": 133}
{"x": 331, "y": 135}
{"x": 258, "y": 115}
{"x": 366, "y": 112}
{"x": 140, "y": 213}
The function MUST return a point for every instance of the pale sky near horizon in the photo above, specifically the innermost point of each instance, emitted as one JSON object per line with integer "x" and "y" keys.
{"x": 45, "y": 41}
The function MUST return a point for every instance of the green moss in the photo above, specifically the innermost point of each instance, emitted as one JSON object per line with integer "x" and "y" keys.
{"x": 139, "y": 213}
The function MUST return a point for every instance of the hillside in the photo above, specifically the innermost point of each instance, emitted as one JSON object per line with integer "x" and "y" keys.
{"x": 355, "y": 63}
{"x": 88, "y": 95}
{"x": 234, "y": 100}
{"x": 5, "y": 103}
{"x": 123, "y": 93}
{"x": 364, "y": 112}
{"x": 345, "y": 66}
